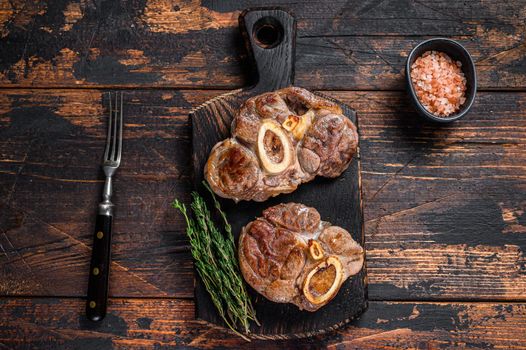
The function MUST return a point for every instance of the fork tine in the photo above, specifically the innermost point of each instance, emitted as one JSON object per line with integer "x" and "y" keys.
{"x": 120, "y": 133}
{"x": 108, "y": 138}
{"x": 115, "y": 111}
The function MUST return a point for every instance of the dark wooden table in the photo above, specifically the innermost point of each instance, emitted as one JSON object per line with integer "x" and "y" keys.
{"x": 444, "y": 206}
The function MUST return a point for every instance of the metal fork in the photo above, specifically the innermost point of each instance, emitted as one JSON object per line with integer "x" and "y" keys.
{"x": 100, "y": 256}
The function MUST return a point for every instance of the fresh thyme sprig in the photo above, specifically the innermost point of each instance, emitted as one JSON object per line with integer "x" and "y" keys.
{"x": 216, "y": 261}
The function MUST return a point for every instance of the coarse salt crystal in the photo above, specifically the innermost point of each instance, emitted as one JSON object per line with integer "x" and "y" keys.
{"x": 439, "y": 83}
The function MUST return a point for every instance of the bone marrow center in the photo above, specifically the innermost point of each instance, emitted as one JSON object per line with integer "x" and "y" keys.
{"x": 322, "y": 280}
{"x": 273, "y": 147}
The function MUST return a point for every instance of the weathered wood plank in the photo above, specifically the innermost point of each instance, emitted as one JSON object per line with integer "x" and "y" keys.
{"x": 344, "y": 45}
{"x": 168, "y": 323}
{"x": 444, "y": 206}
{"x": 51, "y": 144}
{"x": 446, "y": 201}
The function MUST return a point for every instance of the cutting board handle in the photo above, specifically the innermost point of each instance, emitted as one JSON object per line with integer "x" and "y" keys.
{"x": 270, "y": 37}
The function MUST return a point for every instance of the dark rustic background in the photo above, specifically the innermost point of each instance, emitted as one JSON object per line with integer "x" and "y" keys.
{"x": 445, "y": 218}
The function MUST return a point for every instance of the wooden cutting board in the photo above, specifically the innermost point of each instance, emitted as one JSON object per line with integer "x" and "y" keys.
{"x": 269, "y": 34}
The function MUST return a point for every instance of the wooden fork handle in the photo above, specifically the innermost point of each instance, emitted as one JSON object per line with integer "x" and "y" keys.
{"x": 99, "y": 269}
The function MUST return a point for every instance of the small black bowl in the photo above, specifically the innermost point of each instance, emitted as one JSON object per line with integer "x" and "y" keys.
{"x": 458, "y": 53}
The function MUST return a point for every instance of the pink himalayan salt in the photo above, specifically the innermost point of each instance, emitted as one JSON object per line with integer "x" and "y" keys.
{"x": 439, "y": 83}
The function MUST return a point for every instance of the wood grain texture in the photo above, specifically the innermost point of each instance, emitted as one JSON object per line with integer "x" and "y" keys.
{"x": 444, "y": 207}
{"x": 445, "y": 201}
{"x": 347, "y": 45}
{"x": 43, "y": 323}
{"x": 51, "y": 147}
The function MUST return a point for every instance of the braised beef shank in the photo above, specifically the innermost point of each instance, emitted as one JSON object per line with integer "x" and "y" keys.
{"x": 279, "y": 140}
{"x": 290, "y": 256}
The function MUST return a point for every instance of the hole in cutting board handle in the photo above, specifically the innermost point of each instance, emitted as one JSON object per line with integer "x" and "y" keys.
{"x": 269, "y": 35}
{"x": 267, "y": 32}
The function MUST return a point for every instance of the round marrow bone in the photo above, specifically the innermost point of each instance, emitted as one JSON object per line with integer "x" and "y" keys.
{"x": 315, "y": 250}
{"x": 274, "y": 147}
{"x": 329, "y": 274}
{"x": 298, "y": 125}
